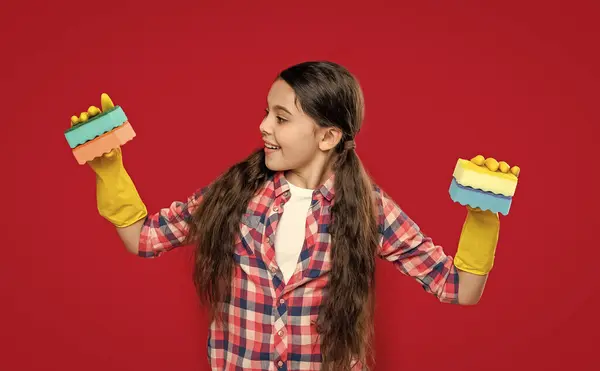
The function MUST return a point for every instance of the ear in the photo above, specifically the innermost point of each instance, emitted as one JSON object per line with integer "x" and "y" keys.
{"x": 329, "y": 138}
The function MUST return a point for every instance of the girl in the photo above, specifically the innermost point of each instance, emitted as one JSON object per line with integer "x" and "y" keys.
{"x": 287, "y": 239}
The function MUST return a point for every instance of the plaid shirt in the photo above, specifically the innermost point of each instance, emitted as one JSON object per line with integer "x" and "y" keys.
{"x": 271, "y": 324}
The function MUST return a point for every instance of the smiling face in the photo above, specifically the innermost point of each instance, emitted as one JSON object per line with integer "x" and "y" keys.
{"x": 293, "y": 140}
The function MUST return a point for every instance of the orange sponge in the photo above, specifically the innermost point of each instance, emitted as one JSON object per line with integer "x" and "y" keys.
{"x": 104, "y": 143}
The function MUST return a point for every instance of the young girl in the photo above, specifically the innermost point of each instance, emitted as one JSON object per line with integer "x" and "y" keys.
{"x": 287, "y": 239}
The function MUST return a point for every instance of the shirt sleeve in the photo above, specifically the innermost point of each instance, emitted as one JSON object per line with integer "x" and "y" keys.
{"x": 168, "y": 228}
{"x": 415, "y": 254}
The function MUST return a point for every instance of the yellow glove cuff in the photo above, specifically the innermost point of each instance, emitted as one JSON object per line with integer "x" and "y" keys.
{"x": 117, "y": 198}
{"x": 118, "y": 201}
{"x": 477, "y": 243}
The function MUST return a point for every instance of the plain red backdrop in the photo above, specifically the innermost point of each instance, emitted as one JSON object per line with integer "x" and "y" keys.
{"x": 442, "y": 80}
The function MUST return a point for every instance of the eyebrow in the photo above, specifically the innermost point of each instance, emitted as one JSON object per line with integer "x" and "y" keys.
{"x": 277, "y": 106}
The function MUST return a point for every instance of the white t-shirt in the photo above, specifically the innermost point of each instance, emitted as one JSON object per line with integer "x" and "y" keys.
{"x": 291, "y": 230}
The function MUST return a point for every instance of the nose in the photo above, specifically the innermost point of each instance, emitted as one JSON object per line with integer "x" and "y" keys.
{"x": 265, "y": 126}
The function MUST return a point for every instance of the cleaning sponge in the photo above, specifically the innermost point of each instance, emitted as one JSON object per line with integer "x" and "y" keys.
{"x": 99, "y": 135}
{"x": 484, "y": 183}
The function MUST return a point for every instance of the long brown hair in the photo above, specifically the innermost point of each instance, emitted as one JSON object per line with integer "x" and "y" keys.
{"x": 332, "y": 97}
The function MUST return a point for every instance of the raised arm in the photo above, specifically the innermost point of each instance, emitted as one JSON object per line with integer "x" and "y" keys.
{"x": 460, "y": 279}
{"x": 168, "y": 228}
{"x": 414, "y": 253}
{"x": 118, "y": 202}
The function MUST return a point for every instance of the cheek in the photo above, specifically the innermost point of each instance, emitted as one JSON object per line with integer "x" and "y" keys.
{"x": 297, "y": 141}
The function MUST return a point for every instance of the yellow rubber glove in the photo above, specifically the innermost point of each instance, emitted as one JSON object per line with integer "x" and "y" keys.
{"x": 479, "y": 236}
{"x": 477, "y": 243}
{"x": 117, "y": 198}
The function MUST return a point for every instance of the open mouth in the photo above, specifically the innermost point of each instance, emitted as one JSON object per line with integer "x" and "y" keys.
{"x": 269, "y": 146}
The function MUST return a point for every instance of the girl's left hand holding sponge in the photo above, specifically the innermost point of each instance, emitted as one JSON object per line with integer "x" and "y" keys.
{"x": 105, "y": 102}
{"x": 117, "y": 198}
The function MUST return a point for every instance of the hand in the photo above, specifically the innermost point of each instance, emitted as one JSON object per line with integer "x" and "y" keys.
{"x": 479, "y": 236}
{"x": 491, "y": 164}
{"x": 494, "y": 165}
{"x": 117, "y": 198}
{"x": 105, "y": 102}
{"x": 108, "y": 159}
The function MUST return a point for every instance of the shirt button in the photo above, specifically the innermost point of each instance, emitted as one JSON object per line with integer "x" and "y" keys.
{"x": 287, "y": 193}
{"x": 269, "y": 240}
{"x": 280, "y": 333}
{"x": 280, "y": 363}
{"x": 276, "y": 209}
{"x": 281, "y": 301}
{"x": 273, "y": 269}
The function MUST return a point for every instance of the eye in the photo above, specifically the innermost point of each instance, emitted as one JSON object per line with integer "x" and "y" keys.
{"x": 279, "y": 119}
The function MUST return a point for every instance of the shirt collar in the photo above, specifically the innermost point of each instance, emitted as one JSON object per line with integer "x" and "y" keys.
{"x": 326, "y": 189}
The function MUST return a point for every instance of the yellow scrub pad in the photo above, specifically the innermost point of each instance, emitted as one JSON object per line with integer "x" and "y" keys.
{"x": 468, "y": 174}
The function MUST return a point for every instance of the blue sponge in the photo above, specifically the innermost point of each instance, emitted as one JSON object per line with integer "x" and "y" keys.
{"x": 484, "y": 200}
{"x": 96, "y": 126}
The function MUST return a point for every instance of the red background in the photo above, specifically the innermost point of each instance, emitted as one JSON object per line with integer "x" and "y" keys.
{"x": 442, "y": 80}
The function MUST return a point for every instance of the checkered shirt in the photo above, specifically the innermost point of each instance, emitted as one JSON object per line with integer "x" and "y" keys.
{"x": 271, "y": 324}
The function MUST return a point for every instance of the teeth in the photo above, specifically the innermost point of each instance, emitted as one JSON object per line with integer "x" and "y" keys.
{"x": 271, "y": 147}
